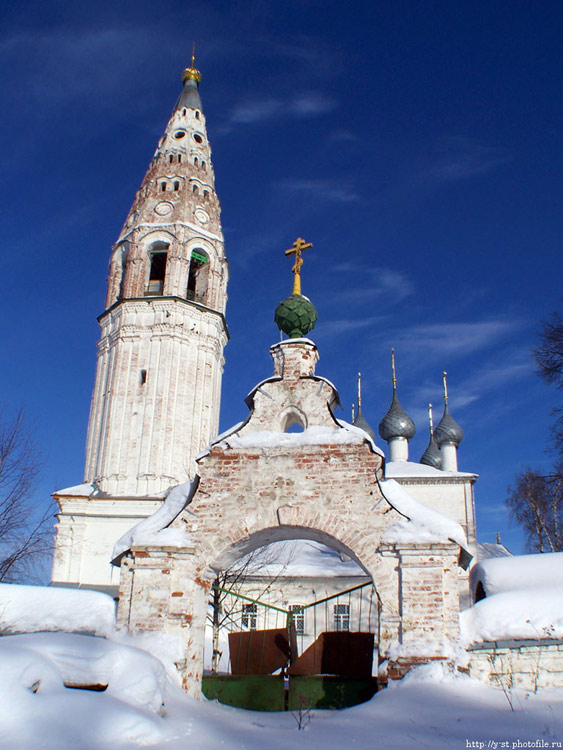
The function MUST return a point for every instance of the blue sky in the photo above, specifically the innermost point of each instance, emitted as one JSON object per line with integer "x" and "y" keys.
{"x": 417, "y": 145}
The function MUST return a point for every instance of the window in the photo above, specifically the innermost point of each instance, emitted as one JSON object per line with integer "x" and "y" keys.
{"x": 176, "y": 186}
{"x": 198, "y": 138}
{"x": 196, "y": 161}
{"x": 179, "y": 158}
{"x": 203, "y": 165}
{"x": 196, "y": 114}
{"x": 298, "y": 618}
{"x": 157, "y": 271}
{"x": 195, "y": 189}
{"x": 171, "y": 158}
{"x": 249, "y": 616}
{"x": 163, "y": 187}
{"x": 342, "y": 617}
{"x": 197, "y": 277}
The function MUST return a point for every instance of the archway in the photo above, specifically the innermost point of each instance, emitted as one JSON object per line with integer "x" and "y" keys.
{"x": 293, "y": 624}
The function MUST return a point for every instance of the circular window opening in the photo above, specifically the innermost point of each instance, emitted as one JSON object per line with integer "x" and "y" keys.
{"x": 179, "y": 134}
{"x": 198, "y": 138}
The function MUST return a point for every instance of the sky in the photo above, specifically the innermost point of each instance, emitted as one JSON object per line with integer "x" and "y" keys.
{"x": 417, "y": 145}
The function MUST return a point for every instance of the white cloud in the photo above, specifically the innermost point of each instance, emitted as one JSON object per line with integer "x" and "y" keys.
{"x": 335, "y": 190}
{"x": 307, "y": 104}
{"x": 455, "y": 338}
{"x": 458, "y": 158}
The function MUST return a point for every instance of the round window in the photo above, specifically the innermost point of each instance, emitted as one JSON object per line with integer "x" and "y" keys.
{"x": 179, "y": 134}
{"x": 198, "y": 138}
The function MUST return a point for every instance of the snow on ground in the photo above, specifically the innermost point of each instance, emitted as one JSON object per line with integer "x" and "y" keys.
{"x": 428, "y": 709}
{"x": 28, "y": 609}
{"x": 527, "y": 613}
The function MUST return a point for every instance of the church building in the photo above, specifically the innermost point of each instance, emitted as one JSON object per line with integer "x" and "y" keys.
{"x": 166, "y": 505}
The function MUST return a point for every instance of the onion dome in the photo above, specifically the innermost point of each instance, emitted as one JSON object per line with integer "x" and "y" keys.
{"x": 359, "y": 420}
{"x": 295, "y": 316}
{"x": 396, "y": 423}
{"x": 448, "y": 430}
{"x": 431, "y": 456}
{"x": 362, "y": 423}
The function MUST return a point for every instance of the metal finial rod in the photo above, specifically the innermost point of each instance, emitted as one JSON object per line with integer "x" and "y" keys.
{"x": 394, "y": 375}
{"x": 353, "y": 412}
{"x": 359, "y": 391}
{"x": 498, "y": 537}
{"x": 445, "y": 381}
{"x": 193, "y": 55}
{"x": 430, "y": 419}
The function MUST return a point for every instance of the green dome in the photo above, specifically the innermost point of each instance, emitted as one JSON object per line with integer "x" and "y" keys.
{"x": 295, "y": 316}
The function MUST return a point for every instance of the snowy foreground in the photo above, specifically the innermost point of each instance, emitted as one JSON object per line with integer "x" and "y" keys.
{"x": 142, "y": 707}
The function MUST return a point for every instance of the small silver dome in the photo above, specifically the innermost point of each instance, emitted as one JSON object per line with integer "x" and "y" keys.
{"x": 448, "y": 430}
{"x": 396, "y": 423}
{"x": 431, "y": 456}
{"x": 361, "y": 422}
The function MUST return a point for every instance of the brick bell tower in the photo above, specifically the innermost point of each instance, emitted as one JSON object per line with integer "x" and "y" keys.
{"x": 156, "y": 395}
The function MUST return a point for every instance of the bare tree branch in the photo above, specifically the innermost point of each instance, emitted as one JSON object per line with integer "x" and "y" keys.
{"x": 25, "y": 537}
{"x": 536, "y": 503}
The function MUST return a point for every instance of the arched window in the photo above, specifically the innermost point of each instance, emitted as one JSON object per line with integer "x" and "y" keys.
{"x": 179, "y": 158}
{"x": 197, "y": 114}
{"x": 176, "y": 185}
{"x": 196, "y": 161}
{"x": 195, "y": 189}
{"x": 184, "y": 111}
{"x": 157, "y": 273}
{"x": 206, "y": 193}
{"x": 163, "y": 187}
{"x": 171, "y": 158}
{"x": 198, "y": 277}
{"x": 203, "y": 165}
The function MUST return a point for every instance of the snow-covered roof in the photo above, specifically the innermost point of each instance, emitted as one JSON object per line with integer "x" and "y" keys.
{"x": 490, "y": 549}
{"x": 345, "y": 434}
{"x": 400, "y": 469}
{"x": 85, "y": 489}
{"x": 423, "y": 524}
{"x": 299, "y": 558}
{"x": 498, "y": 574}
{"x": 529, "y": 613}
{"x": 153, "y": 530}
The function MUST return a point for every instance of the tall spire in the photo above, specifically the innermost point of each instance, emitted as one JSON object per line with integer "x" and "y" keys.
{"x": 359, "y": 420}
{"x": 396, "y": 427}
{"x": 431, "y": 456}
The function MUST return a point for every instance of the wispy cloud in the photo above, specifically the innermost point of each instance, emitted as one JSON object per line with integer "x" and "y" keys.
{"x": 332, "y": 328}
{"x": 376, "y": 283}
{"x": 455, "y": 338}
{"x": 458, "y": 158}
{"x": 341, "y": 191}
{"x": 304, "y": 105}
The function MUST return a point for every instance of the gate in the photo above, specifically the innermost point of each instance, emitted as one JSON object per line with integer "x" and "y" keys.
{"x": 315, "y": 655}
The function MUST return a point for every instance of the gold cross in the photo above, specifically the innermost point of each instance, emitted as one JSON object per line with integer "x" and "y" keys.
{"x": 298, "y": 247}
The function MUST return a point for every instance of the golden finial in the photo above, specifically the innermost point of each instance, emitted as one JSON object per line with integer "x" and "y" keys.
{"x": 445, "y": 381}
{"x": 298, "y": 247}
{"x": 191, "y": 73}
{"x": 359, "y": 392}
{"x": 498, "y": 537}
{"x": 394, "y": 375}
{"x": 430, "y": 419}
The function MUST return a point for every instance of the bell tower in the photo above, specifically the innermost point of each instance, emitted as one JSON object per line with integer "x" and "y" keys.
{"x": 160, "y": 356}
{"x": 157, "y": 389}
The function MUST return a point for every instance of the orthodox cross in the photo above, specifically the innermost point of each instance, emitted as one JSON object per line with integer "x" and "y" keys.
{"x": 298, "y": 246}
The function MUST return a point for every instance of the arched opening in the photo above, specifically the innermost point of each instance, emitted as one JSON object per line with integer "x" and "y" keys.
{"x": 198, "y": 277}
{"x": 195, "y": 190}
{"x": 480, "y": 592}
{"x": 171, "y": 158}
{"x": 292, "y": 624}
{"x": 176, "y": 185}
{"x": 163, "y": 187}
{"x": 157, "y": 272}
{"x": 292, "y": 419}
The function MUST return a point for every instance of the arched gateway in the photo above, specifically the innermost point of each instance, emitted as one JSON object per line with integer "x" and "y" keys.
{"x": 258, "y": 484}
